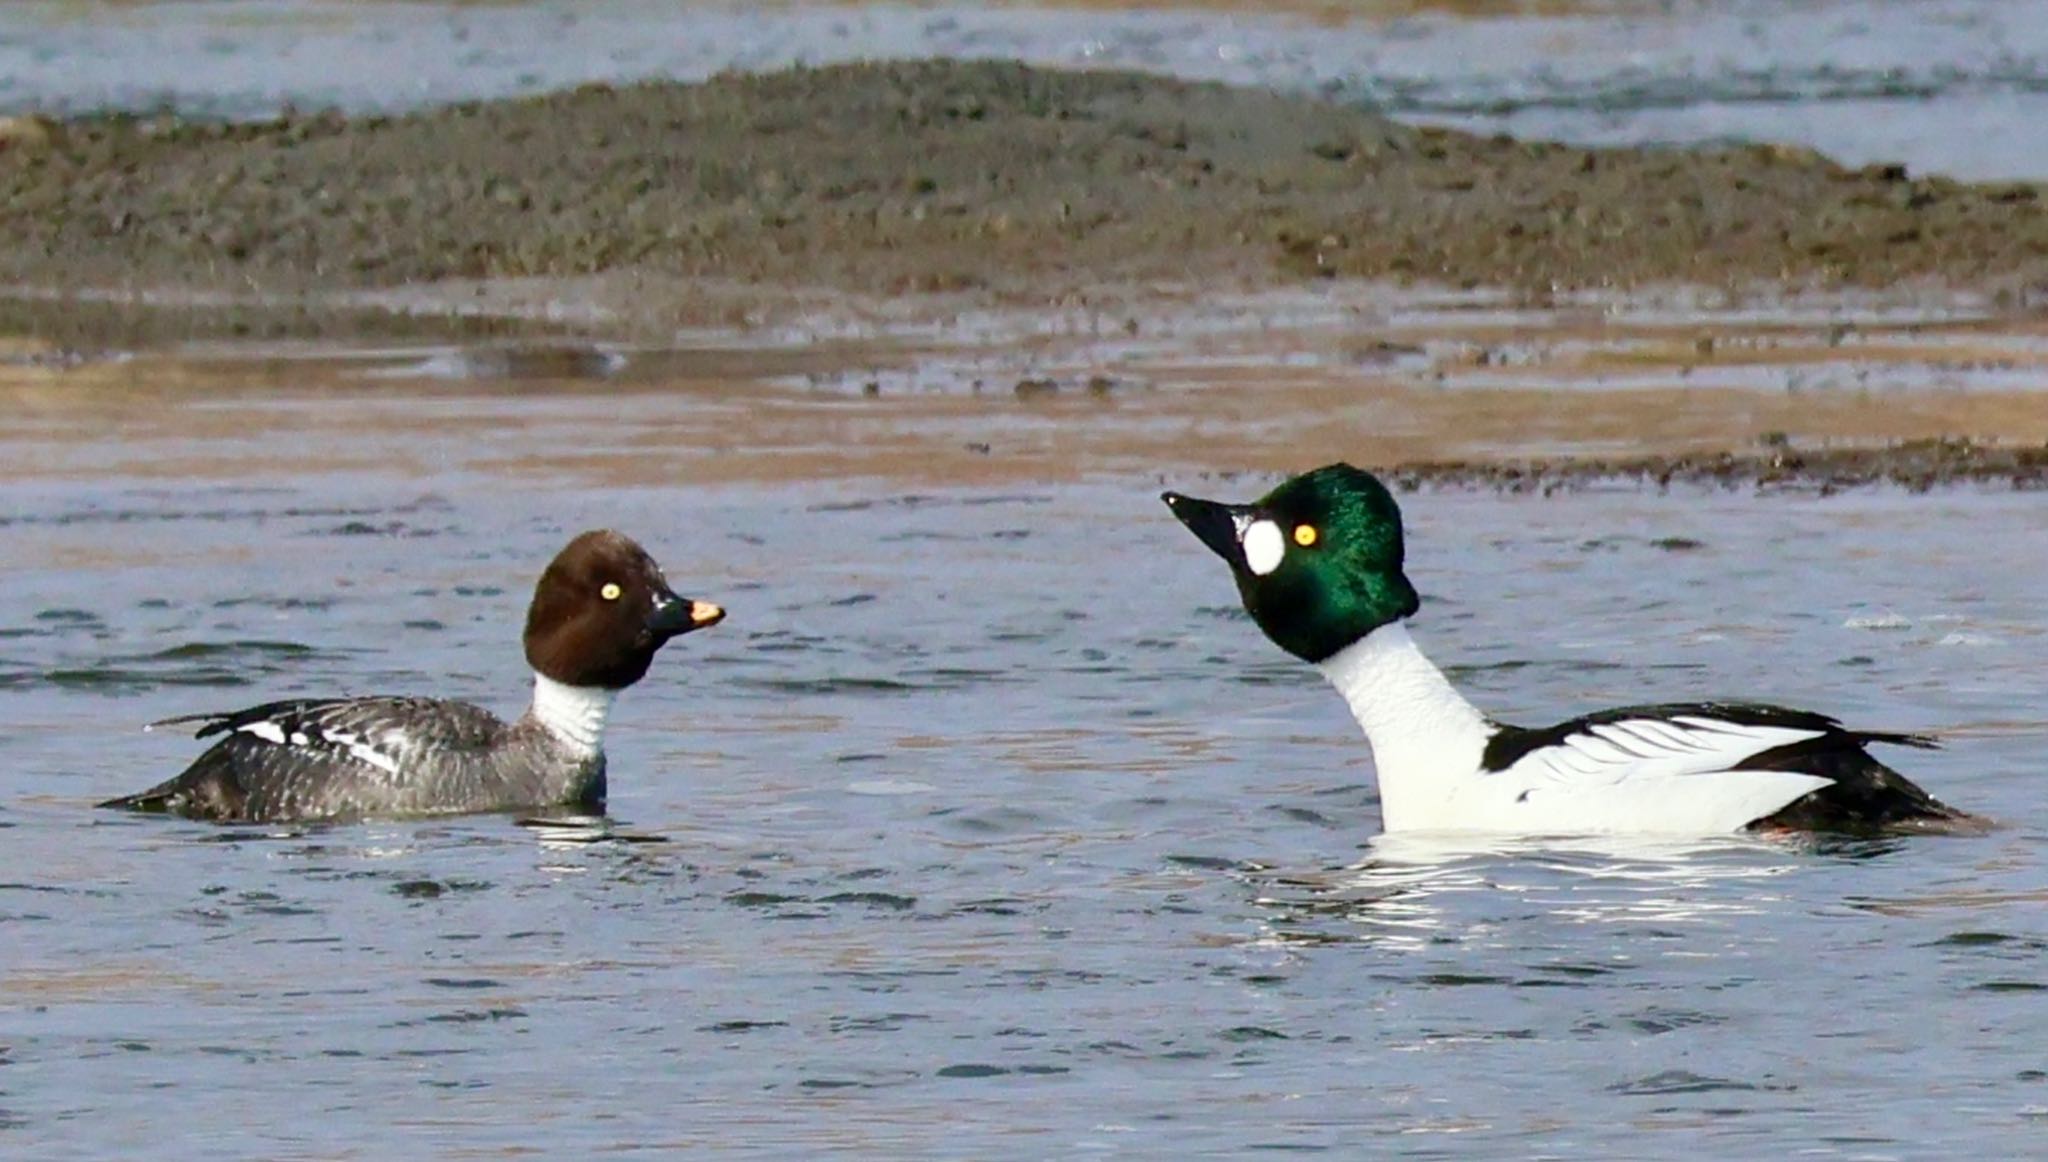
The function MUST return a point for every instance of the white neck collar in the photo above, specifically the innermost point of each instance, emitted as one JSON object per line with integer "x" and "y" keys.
{"x": 1426, "y": 738}
{"x": 574, "y": 714}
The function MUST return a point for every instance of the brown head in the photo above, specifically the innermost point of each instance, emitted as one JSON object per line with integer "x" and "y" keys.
{"x": 601, "y": 611}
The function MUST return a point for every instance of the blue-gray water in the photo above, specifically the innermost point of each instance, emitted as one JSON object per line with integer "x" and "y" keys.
{"x": 986, "y": 827}
{"x": 1951, "y": 86}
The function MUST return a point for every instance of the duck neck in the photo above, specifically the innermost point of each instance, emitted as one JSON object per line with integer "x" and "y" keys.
{"x": 1425, "y": 737}
{"x": 575, "y": 715}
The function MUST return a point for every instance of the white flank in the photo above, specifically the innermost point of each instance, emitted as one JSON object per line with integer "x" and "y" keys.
{"x": 1263, "y": 546}
{"x": 1670, "y": 776}
{"x": 266, "y": 730}
{"x": 574, "y": 714}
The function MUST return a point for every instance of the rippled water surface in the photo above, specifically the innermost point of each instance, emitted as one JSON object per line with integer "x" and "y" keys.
{"x": 987, "y": 826}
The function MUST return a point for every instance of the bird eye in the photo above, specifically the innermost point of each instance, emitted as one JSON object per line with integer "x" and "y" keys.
{"x": 1305, "y": 535}
{"x": 611, "y": 591}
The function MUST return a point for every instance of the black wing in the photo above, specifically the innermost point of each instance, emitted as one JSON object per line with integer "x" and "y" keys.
{"x": 296, "y": 711}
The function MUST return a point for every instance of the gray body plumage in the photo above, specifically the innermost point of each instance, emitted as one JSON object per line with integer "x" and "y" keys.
{"x": 347, "y": 758}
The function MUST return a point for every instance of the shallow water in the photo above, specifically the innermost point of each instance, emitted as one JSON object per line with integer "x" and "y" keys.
{"x": 1270, "y": 380}
{"x": 1864, "y": 80}
{"x": 986, "y": 826}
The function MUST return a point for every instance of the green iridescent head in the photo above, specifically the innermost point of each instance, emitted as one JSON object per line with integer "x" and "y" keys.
{"x": 1317, "y": 560}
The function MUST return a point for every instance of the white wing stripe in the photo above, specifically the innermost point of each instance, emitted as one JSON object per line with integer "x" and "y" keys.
{"x": 1723, "y": 726}
{"x": 1598, "y": 749}
{"x": 360, "y": 749}
{"x": 1663, "y": 737}
{"x": 1645, "y": 748}
{"x": 274, "y": 731}
{"x": 1577, "y": 760}
{"x": 1673, "y": 737}
{"x": 1620, "y": 737}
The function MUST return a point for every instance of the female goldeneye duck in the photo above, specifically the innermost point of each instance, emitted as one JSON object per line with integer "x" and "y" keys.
{"x": 600, "y": 612}
{"x": 1318, "y": 562}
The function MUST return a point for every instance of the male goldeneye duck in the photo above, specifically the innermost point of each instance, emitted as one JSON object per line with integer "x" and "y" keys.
{"x": 1318, "y": 563}
{"x": 600, "y": 612}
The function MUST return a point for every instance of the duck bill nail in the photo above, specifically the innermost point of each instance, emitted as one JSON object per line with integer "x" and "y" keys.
{"x": 680, "y": 615}
{"x": 1214, "y": 524}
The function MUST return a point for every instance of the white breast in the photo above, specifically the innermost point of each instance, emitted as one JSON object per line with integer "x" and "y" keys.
{"x": 574, "y": 714}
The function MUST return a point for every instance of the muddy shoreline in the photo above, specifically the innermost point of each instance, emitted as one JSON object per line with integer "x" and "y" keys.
{"x": 873, "y": 195}
{"x": 943, "y": 176}
{"x": 1912, "y": 465}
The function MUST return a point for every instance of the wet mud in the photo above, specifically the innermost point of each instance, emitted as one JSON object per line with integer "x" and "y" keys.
{"x": 986, "y": 271}
{"x": 1916, "y": 465}
{"x": 936, "y": 176}
{"x": 1536, "y": 405}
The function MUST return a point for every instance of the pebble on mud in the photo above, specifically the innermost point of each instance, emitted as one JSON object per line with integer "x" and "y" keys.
{"x": 26, "y": 133}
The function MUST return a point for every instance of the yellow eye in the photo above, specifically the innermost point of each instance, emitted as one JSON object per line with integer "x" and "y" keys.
{"x": 1304, "y": 535}
{"x": 611, "y": 591}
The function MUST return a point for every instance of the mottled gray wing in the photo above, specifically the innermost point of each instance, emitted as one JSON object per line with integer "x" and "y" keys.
{"x": 314, "y": 759}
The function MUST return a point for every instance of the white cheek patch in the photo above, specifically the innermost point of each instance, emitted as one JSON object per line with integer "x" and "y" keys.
{"x": 1263, "y": 547}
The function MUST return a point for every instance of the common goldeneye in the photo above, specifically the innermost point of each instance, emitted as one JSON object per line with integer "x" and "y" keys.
{"x": 600, "y": 612}
{"x": 1318, "y": 563}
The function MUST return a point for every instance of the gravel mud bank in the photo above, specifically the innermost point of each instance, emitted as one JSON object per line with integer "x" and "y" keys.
{"x": 947, "y": 176}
